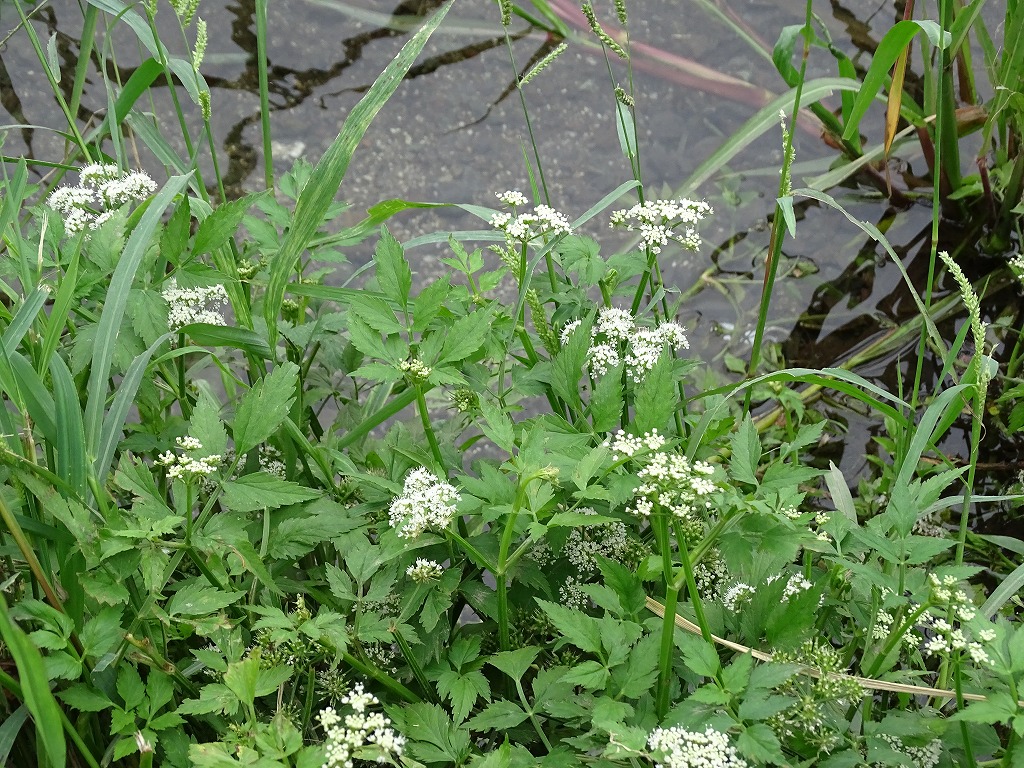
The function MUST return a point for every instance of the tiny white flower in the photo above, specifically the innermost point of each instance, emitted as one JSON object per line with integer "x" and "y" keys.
{"x": 426, "y": 502}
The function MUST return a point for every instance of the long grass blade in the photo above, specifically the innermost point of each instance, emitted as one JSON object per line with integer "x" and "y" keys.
{"x": 113, "y": 423}
{"x": 24, "y": 318}
{"x": 35, "y": 686}
{"x": 71, "y": 461}
{"x": 318, "y": 194}
{"x": 114, "y": 310}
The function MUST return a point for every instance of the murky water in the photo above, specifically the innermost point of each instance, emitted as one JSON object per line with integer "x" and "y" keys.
{"x": 455, "y": 132}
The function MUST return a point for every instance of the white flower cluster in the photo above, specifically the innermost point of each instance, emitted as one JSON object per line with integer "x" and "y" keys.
{"x": 426, "y": 502}
{"x": 678, "y": 748}
{"x": 586, "y": 543}
{"x": 512, "y": 197}
{"x": 736, "y": 596}
{"x": 187, "y": 466}
{"x": 202, "y": 304}
{"x": 571, "y": 594}
{"x": 673, "y": 482}
{"x": 796, "y": 584}
{"x": 359, "y": 735}
{"x": 658, "y": 220}
{"x": 615, "y": 336}
{"x": 630, "y": 445}
{"x": 920, "y": 757}
{"x": 424, "y": 571}
{"x": 942, "y": 636}
{"x": 545, "y": 221}
{"x": 102, "y": 190}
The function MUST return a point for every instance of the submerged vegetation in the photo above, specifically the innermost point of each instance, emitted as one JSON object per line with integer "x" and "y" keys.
{"x": 257, "y": 511}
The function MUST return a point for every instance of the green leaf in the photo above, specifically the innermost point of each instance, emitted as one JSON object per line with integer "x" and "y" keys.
{"x": 393, "y": 273}
{"x": 497, "y": 426}
{"x": 465, "y": 337}
{"x": 889, "y": 49}
{"x": 206, "y": 425}
{"x": 576, "y": 627}
{"x": 606, "y": 402}
{"x": 318, "y": 194}
{"x": 463, "y": 689}
{"x": 241, "y": 678}
{"x": 35, "y": 689}
{"x": 264, "y": 407}
{"x": 111, "y": 318}
{"x": 261, "y": 490}
{"x": 699, "y": 655}
{"x": 250, "y": 342}
{"x": 515, "y": 663}
{"x": 589, "y": 675}
{"x": 198, "y": 599}
{"x": 759, "y": 743}
{"x": 217, "y": 228}
{"x": 656, "y": 398}
{"x": 746, "y": 452}
{"x": 498, "y": 716}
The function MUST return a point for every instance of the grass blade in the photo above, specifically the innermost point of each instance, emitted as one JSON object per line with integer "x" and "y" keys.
{"x": 23, "y": 318}
{"x": 318, "y": 194}
{"x": 35, "y": 687}
{"x": 114, "y": 309}
{"x": 123, "y": 401}
{"x": 71, "y": 461}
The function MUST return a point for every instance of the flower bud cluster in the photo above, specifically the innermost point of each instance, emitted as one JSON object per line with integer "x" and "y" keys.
{"x": 677, "y": 747}
{"x": 361, "y": 735}
{"x": 587, "y": 542}
{"x": 102, "y": 190}
{"x": 657, "y": 222}
{"x": 424, "y": 571}
{"x": 426, "y": 502}
{"x": 926, "y": 756}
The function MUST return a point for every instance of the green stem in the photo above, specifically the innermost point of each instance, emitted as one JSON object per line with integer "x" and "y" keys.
{"x": 533, "y": 717}
{"x": 368, "y": 670}
{"x": 668, "y": 623}
{"x": 428, "y": 429}
{"x": 414, "y": 665}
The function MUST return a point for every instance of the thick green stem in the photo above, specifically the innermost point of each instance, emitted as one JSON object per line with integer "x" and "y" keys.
{"x": 428, "y": 429}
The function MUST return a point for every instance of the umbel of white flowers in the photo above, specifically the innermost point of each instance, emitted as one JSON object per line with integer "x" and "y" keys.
{"x": 101, "y": 190}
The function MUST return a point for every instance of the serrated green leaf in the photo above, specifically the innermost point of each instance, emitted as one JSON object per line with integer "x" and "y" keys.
{"x": 499, "y": 716}
{"x": 656, "y": 398}
{"x": 265, "y": 407}
{"x": 746, "y": 452}
{"x": 393, "y": 273}
{"x": 199, "y": 599}
{"x": 576, "y": 627}
{"x": 217, "y": 228}
{"x": 515, "y": 663}
{"x": 497, "y": 426}
{"x": 262, "y": 490}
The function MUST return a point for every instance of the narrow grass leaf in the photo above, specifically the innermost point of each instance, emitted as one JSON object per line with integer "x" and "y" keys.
{"x": 60, "y": 310}
{"x": 895, "y": 100}
{"x": 248, "y": 341}
{"x": 114, "y": 309}
{"x": 1008, "y": 588}
{"x": 765, "y": 119}
{"x": 318, "y": 194}
{"x": 888, "y": 51}
{"x": 35, "y": 686}
{"x": 113, "y": 422}
{"x": 71, "y": 461}
{"x": 24, "y": 318}
{"x": 925, "y": 434}
{"x": 9, "y": 730}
